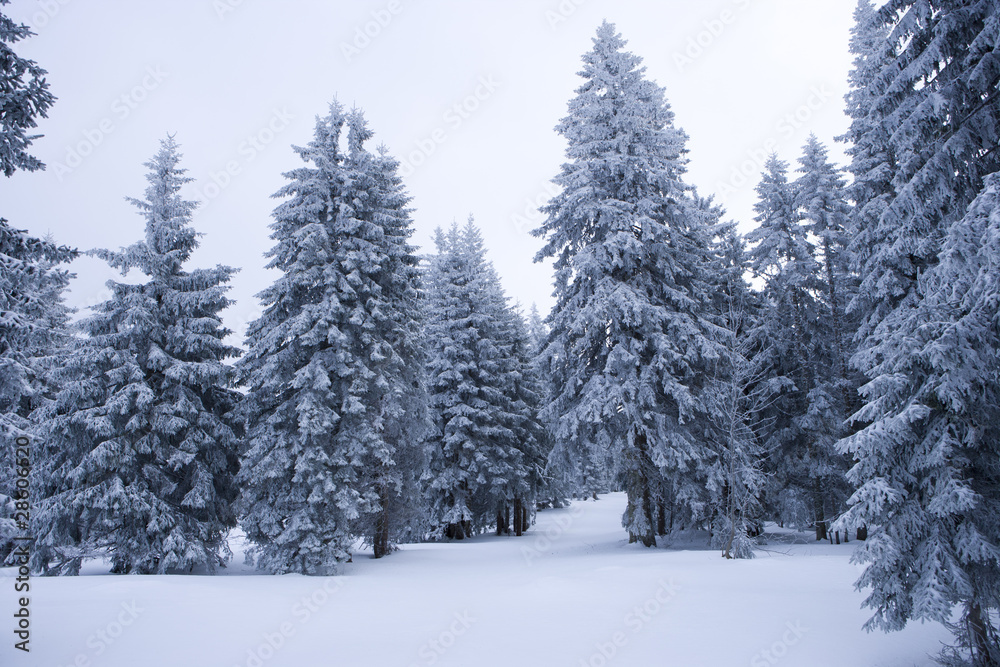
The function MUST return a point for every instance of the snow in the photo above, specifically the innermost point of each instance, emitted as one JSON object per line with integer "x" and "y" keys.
{"x": 559, "y": 595}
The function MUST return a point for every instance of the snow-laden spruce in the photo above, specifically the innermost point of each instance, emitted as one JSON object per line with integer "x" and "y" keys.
{"x": 33, "y": 331}
{"x": 783, "y": 258}
{"x": 25, "y": 97}
{"x": 801, "y": 343}
{"x": 740, "y": 393}
{"x": 485, "y": 458}
{"x": 872, "y": 160}
{"x": 631, "y": 345}
{"x": 140, "y": 448}
{"x": 928, "y": 466}
{"x": 821, "y": 205}
{"x": 334, "y": 406}
{"x": 926, "y": 449}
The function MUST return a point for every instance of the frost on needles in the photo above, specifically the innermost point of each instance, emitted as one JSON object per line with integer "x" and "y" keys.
{"x": 140, "y": 442}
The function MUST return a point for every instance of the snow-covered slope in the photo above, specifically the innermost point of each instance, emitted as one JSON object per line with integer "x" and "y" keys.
{"x": 570, "y": 592}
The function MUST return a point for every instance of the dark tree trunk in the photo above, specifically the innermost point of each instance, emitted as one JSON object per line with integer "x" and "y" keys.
{"x": 637, "y": 489}
{"x": 984, "y": 647}
{"x": 518, "y": 517}
{"x": 525, "y": 519}
{"x": 818, "y": 511}
{"x": 381, "y": 541}
{"x": 862, "y": 533}
{"x": 820, "y": 531}
{"x": 661, "y": 516}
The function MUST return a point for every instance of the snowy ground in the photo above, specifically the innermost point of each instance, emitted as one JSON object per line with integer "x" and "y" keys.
{"x": 571, "y": 592}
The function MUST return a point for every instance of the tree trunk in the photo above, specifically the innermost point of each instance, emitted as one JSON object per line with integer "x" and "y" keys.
{"x": 862, "y": 533}
{"x": 637, "y": 490}
{"x": 661, "y": 516}
{"x": 518, "y": 517}
{"x": 839, "y": 367}
{"x": 381, "y": 541}
{"x": 818, "y": 510}
{"x": 456, "y": 531}
{"x": 984, "y": 648}
{"x": 820, "y": 530}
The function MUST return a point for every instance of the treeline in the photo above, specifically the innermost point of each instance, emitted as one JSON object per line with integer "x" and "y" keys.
{"x": 835, "y": 368}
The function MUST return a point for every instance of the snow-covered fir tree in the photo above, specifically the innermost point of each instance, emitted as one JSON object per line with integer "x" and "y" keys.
{"x": 783, "y": 256}
{"x": 820, "y": 196}
{"x": 872, "y": 160}
{"x": 928, "y": 122}
{"x": 33, "y": 330}
{"x": 140, "y": 447}
{"x": 561, "y": 474}
{"x": 740, "y": 393}
{"x": 334, "y": 406}
{"x": 925, "y": 464}
{"x": 631, "y": 345}
{"x": 526, "y": 391}
{"x": 485, "y": 450}
{"x": 25, "y": 97}
{"x": 928, "y": 462}
{"x": 821, "y": 205}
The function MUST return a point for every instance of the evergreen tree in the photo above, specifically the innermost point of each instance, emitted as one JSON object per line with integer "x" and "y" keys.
{"x": 334, "y": 402}
{"x": 873, "y": 162}
{"x": 783, "y": 256}
{"x": 931, "y": 119}
{"x": 536, "y": 330}
{"x": 526, "y": 392}
{"x": 631, "y": 347}
{"x": 821, "y": 203}
{"x": 740, "y": 393}
{"x": 561, "y": 480}
{"x": 484, "y": 452}
{"x": 927, "y": 466}
{"x": 821, "y": 199}
{"x": 33, "y": 329}
{"x": 24, "y": 95}
{"x": 925, "y": 475}
{"x": 141, "y": 452}
{"x": 395, "y": 466}
{"x": 32, "y": 316}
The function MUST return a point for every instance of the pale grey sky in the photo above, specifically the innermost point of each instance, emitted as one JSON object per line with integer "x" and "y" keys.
{"x": 465, "y": 92}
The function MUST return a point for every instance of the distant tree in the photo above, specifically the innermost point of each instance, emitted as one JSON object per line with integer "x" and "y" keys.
{"x": 783, "y": 256}
{"x": 560, "y": 475}
{"x": 485, "y": 456}
{"x": 821, "y": 204}
{"x": 740, "y": 394}
{"x": 24, "y": 96}
{"x": 140, "y": 446}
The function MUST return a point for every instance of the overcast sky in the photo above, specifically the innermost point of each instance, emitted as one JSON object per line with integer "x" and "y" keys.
{"x": 465, "y": 92}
